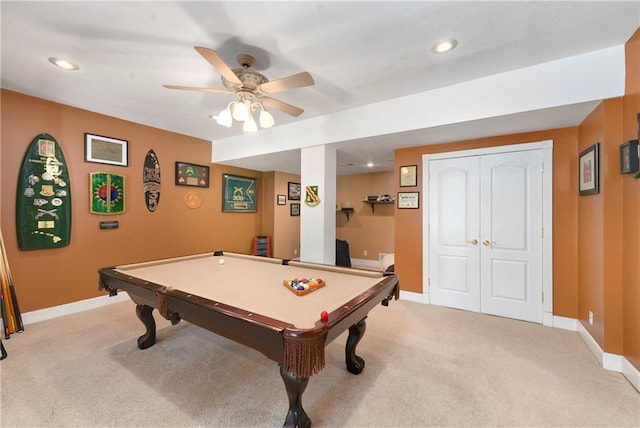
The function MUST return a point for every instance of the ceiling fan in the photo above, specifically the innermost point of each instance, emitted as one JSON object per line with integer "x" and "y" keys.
{"x": 251, "y": 88}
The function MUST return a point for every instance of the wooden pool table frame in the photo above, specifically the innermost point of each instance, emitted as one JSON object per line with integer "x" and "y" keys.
{"x": 299, "y": 352}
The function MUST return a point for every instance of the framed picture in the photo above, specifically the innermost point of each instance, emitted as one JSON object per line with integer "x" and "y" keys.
{"x": 294, "y": 210}
{"x": 409, "y": 200}
{"x": 294, "y": 191}
{"x": 409, "y": 176}
{"x": 189, "y": 174}
{"x": 239, "y": 194}
{"x": 589, "y": 169}
{"x": 106, "y": 193}
{"x": 629, "y": 157}
{"x": 282, "y": 199}
{"x": 101, "y": 149}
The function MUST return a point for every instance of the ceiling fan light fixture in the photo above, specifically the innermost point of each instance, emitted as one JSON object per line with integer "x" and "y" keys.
{"x": 240, "y": 110}
{"x": 266, "y": 119}
{"x": 250, "y": 125}
{"x": 224, "y": 118}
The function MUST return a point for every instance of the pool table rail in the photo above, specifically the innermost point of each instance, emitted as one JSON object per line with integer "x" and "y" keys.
{"x": 300, "y": 352}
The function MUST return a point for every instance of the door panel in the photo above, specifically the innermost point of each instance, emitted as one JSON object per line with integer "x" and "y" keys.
{"x": 453, "y": 258}
{"x": 511, "y": 220}
{"x": 485, "y": 234}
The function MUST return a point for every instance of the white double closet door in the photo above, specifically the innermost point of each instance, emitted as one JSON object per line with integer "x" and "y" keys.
{"x": 486, "y": 234}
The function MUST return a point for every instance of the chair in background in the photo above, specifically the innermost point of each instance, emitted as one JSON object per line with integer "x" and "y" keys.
{"x": 262, "y": 246}
{"x": 342, "y": 253}
{"x": 388, "y": 263}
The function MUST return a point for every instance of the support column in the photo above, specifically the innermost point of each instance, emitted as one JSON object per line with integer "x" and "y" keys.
{"x": 318, "y": 223}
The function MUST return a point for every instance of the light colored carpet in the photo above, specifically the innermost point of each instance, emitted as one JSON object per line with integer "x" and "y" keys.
{"x": 425, "y": 366}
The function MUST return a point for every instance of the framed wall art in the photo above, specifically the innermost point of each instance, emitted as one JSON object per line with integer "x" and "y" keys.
{"x": 294, "y": 191}
{"x": 189, "y": 174}
{"x": 281, "y": 199}
{"x": 588, "y": 167}
{"x": 294, "y": 210}
{"x": 106, "y": 193}
{"x": 239, "y": 194}
{"x": 107, "y": 150}
{"x": 409, "y": 176}
{"x": 410, "y": 200}
{"x": 629, "y": 157}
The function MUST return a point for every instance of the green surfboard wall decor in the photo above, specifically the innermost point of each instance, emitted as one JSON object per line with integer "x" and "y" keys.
{"x": 43, "y": 199}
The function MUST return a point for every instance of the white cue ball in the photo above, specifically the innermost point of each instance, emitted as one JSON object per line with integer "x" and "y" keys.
{"x": 221, "y": 261}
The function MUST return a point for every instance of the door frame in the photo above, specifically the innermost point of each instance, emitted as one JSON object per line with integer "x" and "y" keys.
{"x": 547, "y": 214}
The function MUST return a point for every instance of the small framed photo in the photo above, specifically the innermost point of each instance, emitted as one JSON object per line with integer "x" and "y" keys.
{"x": 294, "y": 210}
{"x": 588, "y": 167}
{"x": 629, "y": 157}
{"x": 294, "y": 191}
{"x": 107, "y": 150}
{"x": 409, "y": 176}
{"x": 410, "y": 200}
{"x": 282, "y": 199}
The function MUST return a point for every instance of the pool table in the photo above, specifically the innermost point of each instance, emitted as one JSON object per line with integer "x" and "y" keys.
{"x": 243, "y": 298}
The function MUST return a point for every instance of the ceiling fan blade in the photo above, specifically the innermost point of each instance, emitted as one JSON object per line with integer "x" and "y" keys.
{"x": 282, "y": 106}
{"x": 192, "y": 88}
{"x": 217, "y": 63}
{"x": 299, "y": 80}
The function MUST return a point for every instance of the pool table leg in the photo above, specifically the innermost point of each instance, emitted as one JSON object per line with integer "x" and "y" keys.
{"x": 296, "y": 417}
{"x": 355, "y": 364}
{"x": 145, "y": 314}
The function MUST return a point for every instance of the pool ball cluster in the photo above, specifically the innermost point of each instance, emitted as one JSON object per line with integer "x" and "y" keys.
{"x": 302, "y": 286}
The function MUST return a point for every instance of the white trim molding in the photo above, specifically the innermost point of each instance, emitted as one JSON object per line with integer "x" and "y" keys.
{"x": 71, "y": 308}
{"x": 411, "y": 296}
{"x": 612, "y": 362}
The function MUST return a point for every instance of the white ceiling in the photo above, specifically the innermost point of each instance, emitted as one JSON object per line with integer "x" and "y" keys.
{"x": 358, "y": 53}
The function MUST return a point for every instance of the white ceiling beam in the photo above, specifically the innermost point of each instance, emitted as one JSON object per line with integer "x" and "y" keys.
{"x": 582, "y": 78}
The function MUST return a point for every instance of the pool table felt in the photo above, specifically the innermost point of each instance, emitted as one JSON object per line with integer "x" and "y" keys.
{"x": 255, "y": 284}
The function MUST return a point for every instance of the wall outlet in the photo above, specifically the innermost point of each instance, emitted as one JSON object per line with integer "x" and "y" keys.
{"x": 295, "y": 251}
{"x": 590, "y": 318}
{"x": 365, "y": 252}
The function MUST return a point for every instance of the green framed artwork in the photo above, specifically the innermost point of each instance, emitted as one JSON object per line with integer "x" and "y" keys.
{"x": 239, "y": 194}
{"x": 190, "y": 174}
{"x": 107, "y": 193}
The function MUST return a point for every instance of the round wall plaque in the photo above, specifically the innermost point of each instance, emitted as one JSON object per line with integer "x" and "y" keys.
{"x": 193, "y": 199}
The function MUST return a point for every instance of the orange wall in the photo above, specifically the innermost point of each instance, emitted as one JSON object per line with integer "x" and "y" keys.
{"x": 46, "y": 278}
{"x": 600, "y": 230}
{"x": 286, "y": 227}
{"x": 366, "y": 229}
{"x": 630, "y": 211}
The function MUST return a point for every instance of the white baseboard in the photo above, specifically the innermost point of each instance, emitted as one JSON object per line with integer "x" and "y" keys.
{"x": 366, "y": 264}
{"x": 564, "y": 323}
{"x": 631, "y": 373}
{"x": 411, "y": 296}
{"x": 71, "y": 308}
{"x": 613, "y": 362}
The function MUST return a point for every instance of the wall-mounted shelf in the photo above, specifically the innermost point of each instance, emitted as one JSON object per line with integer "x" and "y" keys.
{"x": 374, "y": 203}
{"x": 347, "y": 212}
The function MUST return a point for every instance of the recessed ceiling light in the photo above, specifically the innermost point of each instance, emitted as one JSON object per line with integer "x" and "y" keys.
{"x": 370, "y": 165}
{"x": 444, "y": 46}
{"x": 63, "y": 63}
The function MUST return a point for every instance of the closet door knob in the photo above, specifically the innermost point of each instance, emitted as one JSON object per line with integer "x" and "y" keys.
{"x": 486, "y": 243}
{"x": 474, "y": 242}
